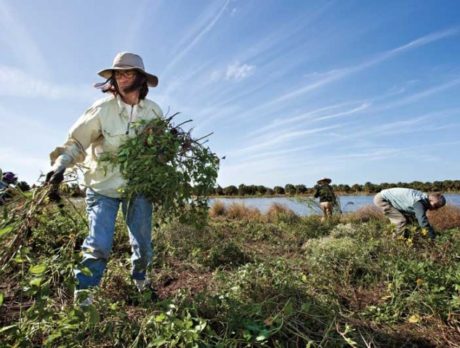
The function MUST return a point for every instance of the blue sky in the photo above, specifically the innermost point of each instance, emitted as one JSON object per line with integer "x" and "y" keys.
{"x": 293, "y": 90}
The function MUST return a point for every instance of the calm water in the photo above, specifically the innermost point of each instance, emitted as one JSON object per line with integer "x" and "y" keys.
{"x": 348, "y": 203}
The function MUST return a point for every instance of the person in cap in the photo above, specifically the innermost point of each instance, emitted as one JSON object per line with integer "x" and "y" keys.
{"x": 102, "y": 128}
{"x": 326, "y": 195}
{"x": 8, "y": 178}
{"x": 400, "y": 204}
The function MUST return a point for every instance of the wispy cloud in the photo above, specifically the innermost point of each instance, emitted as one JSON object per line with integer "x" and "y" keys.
{"x": 338, "y": 74}
{"x": 17, "y": 83}
{"x": 319, "y": 114}
{"x": 15, "y": 36}
{"x": 276, "y": 138}
{"x": 420, "y": 95}
{"x": 238, "y": 71}
{"x": 427, "y": 122}
{"x": 139, "y": 14}
{"x": 196, "y": 34}
{"x": 233, "y": 72}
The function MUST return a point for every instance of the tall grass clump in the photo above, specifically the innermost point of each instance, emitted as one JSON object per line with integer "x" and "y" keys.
{"x": 280, "y": 213}
{"x": 445, "y": 218}
{"x": 240, "y": 211}
{"x": 364, "y": 214}
{"x": 217, "y": 209}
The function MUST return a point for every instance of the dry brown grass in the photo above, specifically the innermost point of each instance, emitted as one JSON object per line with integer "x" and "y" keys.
{"x": 445, "y": 218}
{"x": 240, "y": 211}
{"x": 276, "y": 213}
{"x": 217, "y": 209}
{"x": 441, "y": 219}
{"x": 279, "y": 212}
{"x": 364, "y": 214}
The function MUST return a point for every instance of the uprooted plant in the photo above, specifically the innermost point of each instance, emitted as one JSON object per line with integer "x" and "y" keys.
{"x": 167, "y": 165}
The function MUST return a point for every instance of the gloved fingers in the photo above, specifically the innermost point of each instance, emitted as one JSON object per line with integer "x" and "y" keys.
{"x": 54, "y": 196}
{"x": 55, "y": 177}
{"x": 48, "y": 176}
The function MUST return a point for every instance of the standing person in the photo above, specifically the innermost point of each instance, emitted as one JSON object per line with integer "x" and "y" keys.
{"x": 398, "y": 202}
{"x": 327, "y": 198}
{"x": 102, "y": 129}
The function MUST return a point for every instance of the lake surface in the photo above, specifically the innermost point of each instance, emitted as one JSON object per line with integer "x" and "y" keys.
{"x": 348, "y": 203}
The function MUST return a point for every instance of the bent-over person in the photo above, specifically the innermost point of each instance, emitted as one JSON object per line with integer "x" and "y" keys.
{"x": 398, "y": 204}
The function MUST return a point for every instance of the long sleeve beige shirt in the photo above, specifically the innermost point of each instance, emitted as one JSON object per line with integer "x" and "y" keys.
{"x": 102, "y": 129}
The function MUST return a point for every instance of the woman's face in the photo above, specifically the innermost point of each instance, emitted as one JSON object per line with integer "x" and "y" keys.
{"x": 125, "y": 78}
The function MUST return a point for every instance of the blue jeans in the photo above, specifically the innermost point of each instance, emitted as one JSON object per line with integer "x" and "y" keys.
{"x": 102, "y": 213}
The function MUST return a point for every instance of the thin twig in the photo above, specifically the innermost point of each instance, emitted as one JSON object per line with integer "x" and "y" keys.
{"x": 180, "y": 124}
{"x": 208, "y": 135}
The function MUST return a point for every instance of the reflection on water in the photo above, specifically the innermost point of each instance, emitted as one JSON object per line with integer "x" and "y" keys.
{"x": 348, "y": 203}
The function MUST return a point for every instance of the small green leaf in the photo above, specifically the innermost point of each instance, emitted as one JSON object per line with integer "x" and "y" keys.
{"x": 6, "y": 328}
{"x": 51, "y": 338}
{"x": 36, "y": 281}
{"x": 160, "y": 317}
{"x": 2, "y": 297}
{"x": 86, "y": 271}
{"x": 6, "y": 230}
{"x": 94, "y": 317}
{"x": 38, "y": 269}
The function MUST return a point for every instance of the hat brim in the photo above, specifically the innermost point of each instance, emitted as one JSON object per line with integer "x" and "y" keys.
{"x": 152, "y": 80}
{"x": 326, "y": 180}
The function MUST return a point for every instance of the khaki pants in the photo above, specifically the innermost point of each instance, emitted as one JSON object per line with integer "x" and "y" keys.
{"x": 396, "y": 217}
{"x": 326, "y": 207}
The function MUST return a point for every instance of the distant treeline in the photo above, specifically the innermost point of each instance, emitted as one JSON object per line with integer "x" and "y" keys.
{"x": 367, "y": 188}
{"x": 259, "y": 190}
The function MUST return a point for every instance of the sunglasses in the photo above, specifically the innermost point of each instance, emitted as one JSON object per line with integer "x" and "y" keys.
{"x": 125, "y": 73}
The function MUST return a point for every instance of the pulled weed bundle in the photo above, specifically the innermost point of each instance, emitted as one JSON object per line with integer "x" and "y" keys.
{"x": 168, "y": 166}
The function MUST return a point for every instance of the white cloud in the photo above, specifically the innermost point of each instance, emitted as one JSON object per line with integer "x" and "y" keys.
{"x": 238, "y": 71}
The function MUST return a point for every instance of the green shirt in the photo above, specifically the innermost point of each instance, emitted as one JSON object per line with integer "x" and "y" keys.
{"x": 325, "y": 193}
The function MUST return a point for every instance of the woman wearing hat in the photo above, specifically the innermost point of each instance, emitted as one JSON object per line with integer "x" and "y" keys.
{"x": 101, "y": 129}
{"x": 326, "y": 195}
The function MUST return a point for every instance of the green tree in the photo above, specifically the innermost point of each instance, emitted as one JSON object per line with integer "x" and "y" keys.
{"x": 219, "y": 191}
{"x": 370, "y": 187}
{"x": 261, "y": 190}
{"x": 231, "y": 190}
{"x": 289, "y": 189}
{"x": 242, "y": 190}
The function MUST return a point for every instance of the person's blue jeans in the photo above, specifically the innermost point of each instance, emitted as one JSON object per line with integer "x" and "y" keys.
{"x": 102, "y": 213}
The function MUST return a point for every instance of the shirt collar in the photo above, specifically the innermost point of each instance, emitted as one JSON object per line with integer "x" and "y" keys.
{"x": 122, "y": 105}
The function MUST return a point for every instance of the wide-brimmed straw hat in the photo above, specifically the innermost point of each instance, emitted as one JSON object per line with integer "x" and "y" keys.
{"x": 324, "y": 180}
{"x": 129, "y": 61}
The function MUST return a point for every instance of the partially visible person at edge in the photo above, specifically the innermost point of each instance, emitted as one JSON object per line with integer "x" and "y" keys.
{"x": 327, "y": 198}
{"x": 8, "y": 178}
{"x": 101, "y": 129}
{"x": 399, "y": 204}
